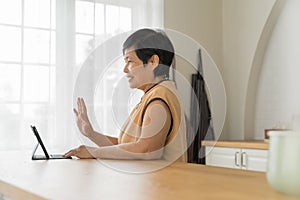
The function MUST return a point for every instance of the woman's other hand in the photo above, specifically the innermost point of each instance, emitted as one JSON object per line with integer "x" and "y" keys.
{"x": 81, "y": 152}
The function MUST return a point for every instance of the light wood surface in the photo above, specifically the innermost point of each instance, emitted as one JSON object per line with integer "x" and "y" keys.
{"x": 250, "y": 144}
{"x": 21, "y": 178}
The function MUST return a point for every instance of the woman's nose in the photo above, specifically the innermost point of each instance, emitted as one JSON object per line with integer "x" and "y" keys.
{"x": 125, "y": 70}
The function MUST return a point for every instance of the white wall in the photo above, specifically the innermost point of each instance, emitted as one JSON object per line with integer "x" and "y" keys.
{"x": 278, "y": 91}
{"x": 243, "y": 22}
{"x": 230, "y": 30}
{"x": 201, "y": 20}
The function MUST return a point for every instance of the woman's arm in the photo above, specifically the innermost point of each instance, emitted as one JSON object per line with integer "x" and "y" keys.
{"x": 102, "y": 140}
{"x": 156, "y": 124}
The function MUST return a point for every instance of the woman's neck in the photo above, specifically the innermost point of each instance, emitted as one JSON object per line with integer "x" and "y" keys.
{"x": 147, "y": 86}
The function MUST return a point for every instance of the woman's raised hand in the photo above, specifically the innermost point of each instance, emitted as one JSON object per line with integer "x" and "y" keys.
{"x": 82, "y": 119}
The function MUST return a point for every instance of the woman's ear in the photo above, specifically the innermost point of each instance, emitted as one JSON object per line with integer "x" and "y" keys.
{"x": 153, "y": 61}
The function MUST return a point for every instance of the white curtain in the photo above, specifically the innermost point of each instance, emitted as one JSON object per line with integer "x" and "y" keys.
{"x": 78, "y": 28}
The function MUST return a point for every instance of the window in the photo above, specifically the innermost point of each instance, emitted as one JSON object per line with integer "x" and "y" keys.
{"x": 95, "y": 22}
{"x": 43, "y": 44}
{"x": 27, "y": 65}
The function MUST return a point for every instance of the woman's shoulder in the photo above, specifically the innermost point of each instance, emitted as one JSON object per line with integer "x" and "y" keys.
{"x": 166, "y": 91}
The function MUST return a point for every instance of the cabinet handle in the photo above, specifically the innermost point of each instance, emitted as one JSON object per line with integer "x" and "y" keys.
{"x": 244, "y": 159}
{"x": 236, "y": 161}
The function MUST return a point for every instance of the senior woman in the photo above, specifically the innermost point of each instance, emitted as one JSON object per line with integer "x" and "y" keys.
{"x": 155, "y": 129}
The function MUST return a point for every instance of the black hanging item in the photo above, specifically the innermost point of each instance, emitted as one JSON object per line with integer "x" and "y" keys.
{"x": 200, "y": 117}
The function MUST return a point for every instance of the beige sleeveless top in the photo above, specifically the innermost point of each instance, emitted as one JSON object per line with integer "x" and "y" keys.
{"x": 175, "y": 145}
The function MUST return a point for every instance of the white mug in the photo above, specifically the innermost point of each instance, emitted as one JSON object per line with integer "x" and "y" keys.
{"x": 284, "y": 162}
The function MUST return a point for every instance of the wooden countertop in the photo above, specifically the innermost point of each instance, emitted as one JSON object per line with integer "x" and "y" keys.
{"x": 22, "y": 178}
{"x": 250, "y": 144}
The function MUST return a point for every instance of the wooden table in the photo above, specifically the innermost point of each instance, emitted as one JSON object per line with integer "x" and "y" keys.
{"x": 22, "y": 178}
{"x": 249, "y": 144}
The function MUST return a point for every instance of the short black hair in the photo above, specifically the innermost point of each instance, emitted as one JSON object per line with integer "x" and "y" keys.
{"x": 149, "y": 42}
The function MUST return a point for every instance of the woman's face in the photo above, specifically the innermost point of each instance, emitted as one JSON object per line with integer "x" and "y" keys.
{"x": 137, "y": 74}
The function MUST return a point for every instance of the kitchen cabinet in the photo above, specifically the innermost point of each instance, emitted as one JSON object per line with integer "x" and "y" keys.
{"x": 237, "y": 157}
{"x": 249, "y": 159}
